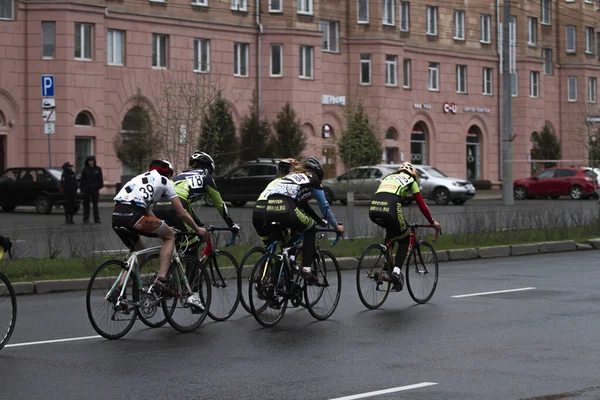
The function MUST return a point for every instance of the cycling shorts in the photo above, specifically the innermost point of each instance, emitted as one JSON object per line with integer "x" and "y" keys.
{"x": 136, "y": 223}
{"x": 385, "y": 210}
{"x": 284, "y": 210}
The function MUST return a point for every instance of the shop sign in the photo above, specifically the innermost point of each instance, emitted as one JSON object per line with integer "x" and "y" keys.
{"x": 422, "y": 106}
{"x": 450, "y": 108}
{"x": 477, "y": 110}
{"x": 334, "y": 100}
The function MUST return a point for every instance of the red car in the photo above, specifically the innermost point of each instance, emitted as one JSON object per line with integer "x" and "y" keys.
{"x": 578, "y": 183}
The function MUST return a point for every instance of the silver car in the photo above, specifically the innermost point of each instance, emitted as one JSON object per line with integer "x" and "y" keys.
{"x": 436, "y": 185}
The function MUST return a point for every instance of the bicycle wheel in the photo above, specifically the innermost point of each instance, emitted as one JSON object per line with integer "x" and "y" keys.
{"x": 268, "y": 299}
{"x": 372, "y": 291}
{"x": 223, "y": 271}
{"x": 323, "y": 297}
{"x": 422, "y": 272}
{"x": 109, "y": 318}
{"x": 186, "y": 318}
{"x": 8, "y": 310}
{"x": 150, "y": 310}
{"x": 250, "y": 258}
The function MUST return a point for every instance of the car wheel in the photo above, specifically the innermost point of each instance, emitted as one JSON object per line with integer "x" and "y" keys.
{"x": 43, "y": 205}
{"x": 441, "y": 196}
{"x": 329, "y": 196}
{"x": 8, "y": 208}
{"x": 238, "y": 203}
{"x": 520, "y": 193}
{"x": 406, "y": 202}
{"x": 458, "y": 202}
{"x": 576, "y": 192}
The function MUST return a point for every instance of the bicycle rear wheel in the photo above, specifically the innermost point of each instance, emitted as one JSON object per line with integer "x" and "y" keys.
{"x": 108, "y": 317}
{"x": 8, "y": 310}
{"x": 372, "y": 291}
{"x": 267, "y": 297}
{"x": 422, "y": 272}
{"x": 249, "y": 260}
{"x": 224, "y": 272}
{"x": 323, "y": 297}
{"x": 185, "y": 317}
{"x": 150, "y": 310}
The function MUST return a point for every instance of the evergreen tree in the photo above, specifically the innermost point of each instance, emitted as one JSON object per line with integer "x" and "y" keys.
{"x": 290, "y": 140}
{"x": 547, "y": 147}
{"x": 359, "y": 145}
{"x": 255, "y": 135}
{"x": 218, "y": 134}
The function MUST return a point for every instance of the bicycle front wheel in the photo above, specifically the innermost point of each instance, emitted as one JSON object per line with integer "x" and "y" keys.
{"x": 249, "y": 260}
{"x": 267, "y": 291}
{"x": 223, "y": 273}
{"x": 422, "y": 272}
{"x": 372, "y": 291}
{"x": 8, "y": 310}
{"x": 323, "y": 297}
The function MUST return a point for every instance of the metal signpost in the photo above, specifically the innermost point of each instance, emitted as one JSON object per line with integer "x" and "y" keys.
{"x": 48, "y": 110}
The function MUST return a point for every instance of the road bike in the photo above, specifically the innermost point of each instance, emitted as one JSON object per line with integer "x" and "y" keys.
{"x": 8, "y": 306}
{"x": 373, "y": 275}
{"x": 275, "y": 280}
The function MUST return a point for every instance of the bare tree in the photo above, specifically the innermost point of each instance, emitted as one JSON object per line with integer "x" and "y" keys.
{"x": 584, "y": 128}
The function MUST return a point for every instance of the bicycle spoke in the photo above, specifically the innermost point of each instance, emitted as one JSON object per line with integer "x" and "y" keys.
{"x": 422, "y": 273}
{"x": 372, "y": 291}
{"x": 322, "y": 299}
{"x": 225, "y": 294}
{"x": 266, "y": 292}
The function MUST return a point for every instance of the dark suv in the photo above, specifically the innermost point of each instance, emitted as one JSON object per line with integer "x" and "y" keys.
{"x": 247, "y": 181}
{"x": 35, "y": 186}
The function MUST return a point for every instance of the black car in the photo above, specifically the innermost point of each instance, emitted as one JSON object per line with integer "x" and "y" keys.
{"x": 35, "y": 186}
{"x": 247, "y": 181}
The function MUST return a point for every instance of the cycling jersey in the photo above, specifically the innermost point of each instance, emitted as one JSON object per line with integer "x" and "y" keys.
{"x": 145, "y": 189}
{"x": 265, "y": 193}
{"x": 400, "y": 184}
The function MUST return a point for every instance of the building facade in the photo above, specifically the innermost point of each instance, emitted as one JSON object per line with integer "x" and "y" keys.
{"x": 430, "y": 70}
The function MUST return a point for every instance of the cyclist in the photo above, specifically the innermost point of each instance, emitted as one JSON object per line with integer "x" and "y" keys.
{"x": 287, "y": 203}
{"x": 386, "y": 211}
{"x": 5, "y": 243}
{"x": 258, "y": 214}
{"x": 132, "y": 211}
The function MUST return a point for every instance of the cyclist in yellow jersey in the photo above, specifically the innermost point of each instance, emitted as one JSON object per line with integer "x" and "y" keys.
{"x": 386, "y": 211}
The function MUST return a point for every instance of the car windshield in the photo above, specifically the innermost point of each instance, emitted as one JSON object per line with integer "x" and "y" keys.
{"x": 56, "y": 173}
{"x": 436, "y": 173}
{"x": 590, "y": 173}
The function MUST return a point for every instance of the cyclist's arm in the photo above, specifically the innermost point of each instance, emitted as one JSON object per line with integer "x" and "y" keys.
{"x": 324, "y": 206}
{"x": 421, "y": 203}
{"x": 304, "y": 206}
{"x": 217, "y": 200}
{"x": 185, "y": 216}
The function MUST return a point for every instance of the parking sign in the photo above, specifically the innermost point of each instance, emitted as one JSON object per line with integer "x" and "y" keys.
{"x": 47, "y": 85}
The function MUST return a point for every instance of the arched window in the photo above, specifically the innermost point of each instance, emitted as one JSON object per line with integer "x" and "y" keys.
{"x": 135, "y": 128}
{"x": 391, "y": 133}
{"x": 418, "y": 143}
{"x": 327, "y": 132}
{"x": 2, "y": 120}
{"x": 84, "y": 118}
{"x": 474, "y": 153}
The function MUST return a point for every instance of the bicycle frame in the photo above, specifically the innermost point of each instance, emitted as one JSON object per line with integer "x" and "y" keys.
{"x": 411, "y": 243}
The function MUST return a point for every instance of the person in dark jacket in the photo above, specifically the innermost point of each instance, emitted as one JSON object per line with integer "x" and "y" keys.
{"x": 68, "y": 184}
{"x": 91, "y": 183}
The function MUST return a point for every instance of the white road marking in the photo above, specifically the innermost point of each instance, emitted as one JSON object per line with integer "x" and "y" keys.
{"x": 386, "y": 391}
{"x": 53, "y": 341}
{"x": 496, "y": 292}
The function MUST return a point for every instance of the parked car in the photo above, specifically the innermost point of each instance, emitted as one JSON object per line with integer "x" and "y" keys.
{"x": 363, "y": 181}
{"x": 441, "y": 188}
{"x": 579, "y": 183}
{"x": 35, "y": 186}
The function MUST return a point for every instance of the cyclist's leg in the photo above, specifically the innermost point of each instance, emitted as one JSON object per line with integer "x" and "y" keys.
{"x": 153, "y": 227}
{"x": 259, "y": 221}
{"x": 399, "y": 230}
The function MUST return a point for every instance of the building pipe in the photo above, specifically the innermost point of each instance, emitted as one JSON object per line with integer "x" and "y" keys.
{"x": 258, "y": 55}
{"x": 500, "y": 109}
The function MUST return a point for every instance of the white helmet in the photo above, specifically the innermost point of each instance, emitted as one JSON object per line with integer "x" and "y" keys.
{"x": 200, "y": 158}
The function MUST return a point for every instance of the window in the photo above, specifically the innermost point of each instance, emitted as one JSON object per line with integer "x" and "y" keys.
{"x": 201, "y": 55}
{"x": 547, "y": 54}
{"x": 305, "y": 7}
{"x": 391, "y": 74}
{"x": 532, "y": 31}
{"x": 83, "y": 41}
{"x": 459, "y": 25}
{"x": 485, "y": 22}
{"x": 84, "y": 118}
{"x": 572, "y": 88}
{"x": 406, "y": 73}
{"x": 363, "y": 11}
{"x": 487, "y": 81}
{"x": 434, "y": 76}
{"x": 200, "y": 2}
{"x": 276, "y": 60}
{"x": 6, "y": 9}
{"x": 432, "y": 20}
{"x": 365, "y": 69}
{"x": 275, "y": 6}
{"x": 48, "y": 39}
{"x": 240, "y": 59}
{"x": 461, "y": 79}
{"x": 570, "y": 31}
{"x": 546, "y": 12}
{"x": 159, "y": 50}
{"x": 514, "y": 83}
{"x": 83, "y": 148}
{"x": 589, "y": 40}
{"x": 239, "y": 5}
{"x": 330, "y": 31}
{"x": 114, "y": 47}
{"x": 598, "y": 41}
{"x": 404, "y": 16}
{"x": 388, "y": 12}
{"x": 592, "y": 85}
{"x": 306, "y": 62}
{"x": 534, "y": 84}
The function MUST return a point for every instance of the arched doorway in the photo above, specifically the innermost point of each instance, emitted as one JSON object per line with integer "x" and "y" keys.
{"x": 533, "y": 142}
{"x": 418, "y": 143}
{"x": 137, "y": 144}
{"x": 329, "y": 153}
{"x": 474, "y": 153}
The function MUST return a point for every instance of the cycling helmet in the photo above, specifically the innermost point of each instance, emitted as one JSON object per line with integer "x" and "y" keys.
{"x": 312, "y": 164}
{"x": 286, "y": 165}
{"x": 164, "y": 167}
{"x": 409, "y": 169}
{"x": 200, "y": 158}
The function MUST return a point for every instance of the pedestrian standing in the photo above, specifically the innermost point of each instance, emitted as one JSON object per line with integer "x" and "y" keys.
{"x": 91, "y": 183}
{"x": 68, "y": 184}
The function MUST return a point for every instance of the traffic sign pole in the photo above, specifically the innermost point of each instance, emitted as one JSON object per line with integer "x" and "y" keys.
{"x": 48, "y": 103}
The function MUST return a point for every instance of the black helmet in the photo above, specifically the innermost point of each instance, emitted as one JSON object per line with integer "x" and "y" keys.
{"x": 286, "y": 165}
{"x": 164, "y": 167}
{"x": 200, "y": 158}
{"x": 312, "y": 164}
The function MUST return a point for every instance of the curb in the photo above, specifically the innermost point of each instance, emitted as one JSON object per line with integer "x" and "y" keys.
{"x": 348, "y": 263}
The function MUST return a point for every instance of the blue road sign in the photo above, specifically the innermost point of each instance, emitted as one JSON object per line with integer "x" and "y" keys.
{"x": 47, "y": 85}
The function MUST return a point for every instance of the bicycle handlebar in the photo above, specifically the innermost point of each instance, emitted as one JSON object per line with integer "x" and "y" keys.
{"x": 338, "y": 235}
{"x": 212, "y": 228}
{"x": 437, "y": 231}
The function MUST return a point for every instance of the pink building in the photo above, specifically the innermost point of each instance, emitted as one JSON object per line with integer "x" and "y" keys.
{"x": 430, "y": 71}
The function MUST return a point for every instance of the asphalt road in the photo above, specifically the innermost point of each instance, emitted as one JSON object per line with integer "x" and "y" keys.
{"x": 532, "y": 344}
